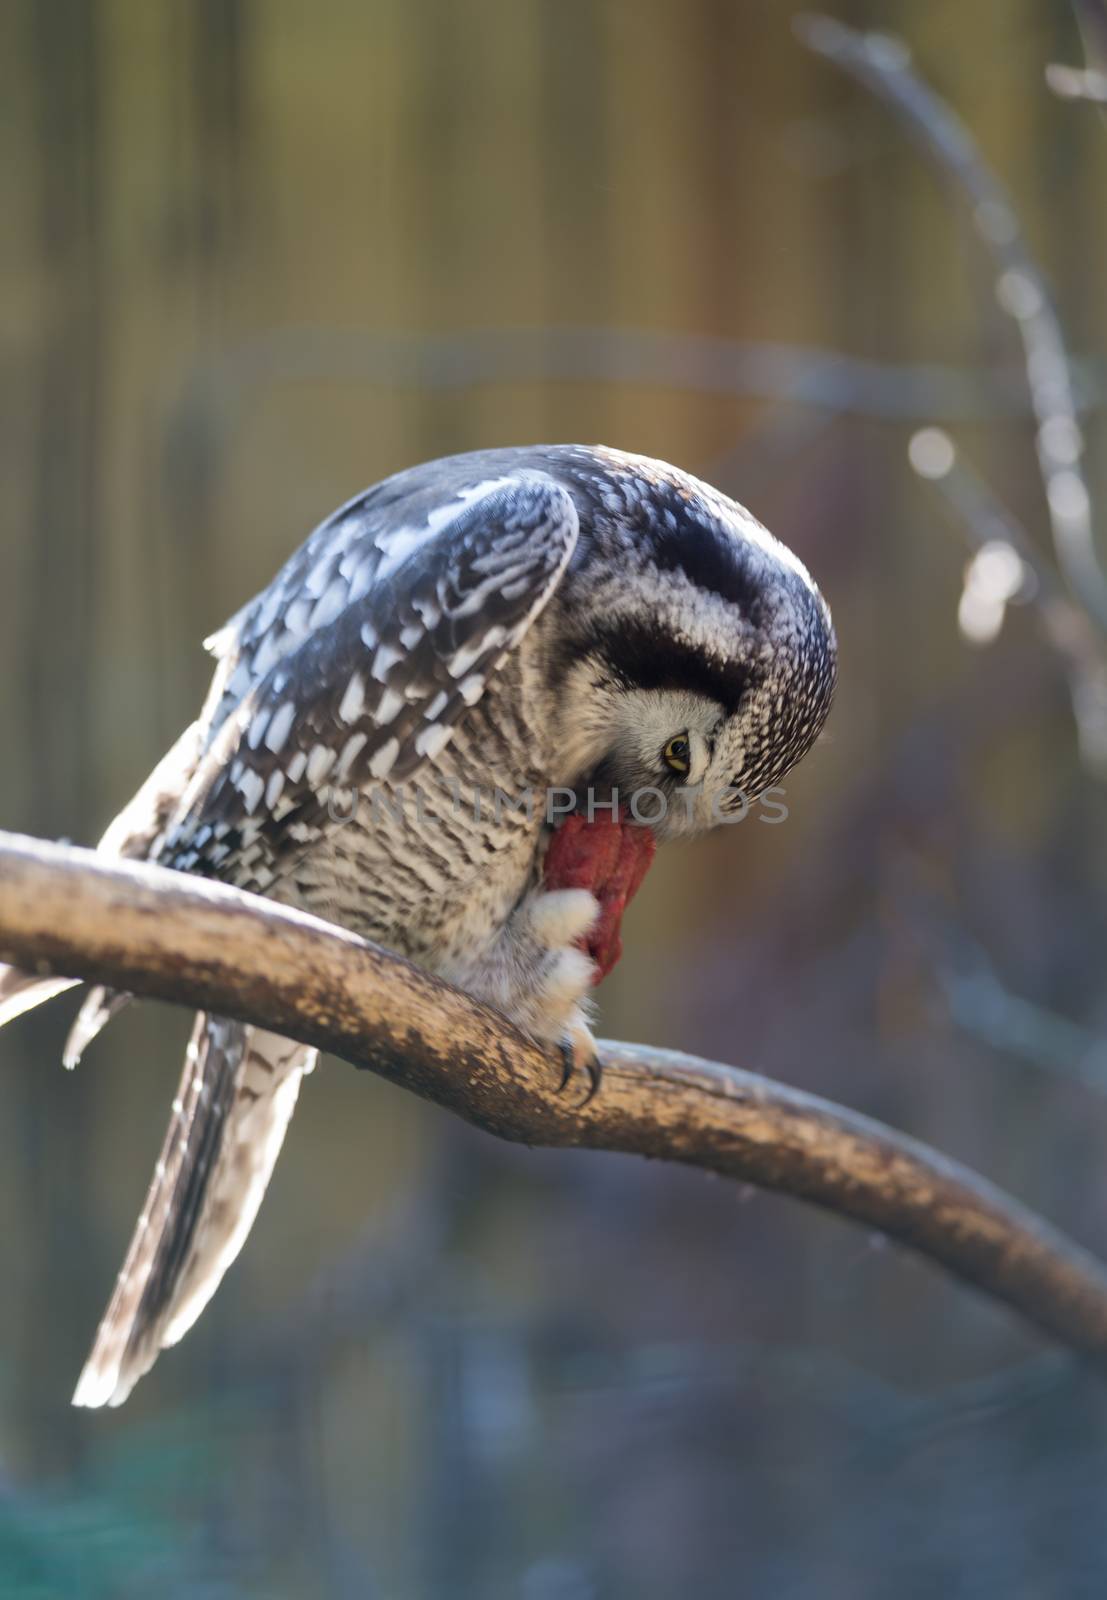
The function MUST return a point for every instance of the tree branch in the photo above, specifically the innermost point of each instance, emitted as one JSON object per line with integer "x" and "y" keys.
{"x": 172, "y": 937}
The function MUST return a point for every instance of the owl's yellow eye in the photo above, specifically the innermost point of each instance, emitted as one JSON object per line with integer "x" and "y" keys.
{"x": 677, "y": 755}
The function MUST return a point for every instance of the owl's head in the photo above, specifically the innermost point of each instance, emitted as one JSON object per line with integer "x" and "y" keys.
{"x": 702, "y": 683}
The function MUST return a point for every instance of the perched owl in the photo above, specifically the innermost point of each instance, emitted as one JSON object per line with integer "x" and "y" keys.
{"x": 387, "y": 724}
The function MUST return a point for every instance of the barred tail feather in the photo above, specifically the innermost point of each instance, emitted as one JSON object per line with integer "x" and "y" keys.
{"x": 234, "y": 1104}
{"x": 21, "y": 991}
{"x": 100, "y": 1005}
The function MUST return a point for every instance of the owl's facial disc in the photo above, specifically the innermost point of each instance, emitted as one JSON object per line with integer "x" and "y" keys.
{"x": 659, "y": 756}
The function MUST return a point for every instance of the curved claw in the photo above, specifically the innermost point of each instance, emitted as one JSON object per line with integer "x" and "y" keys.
{"x": 573, "y": 1059}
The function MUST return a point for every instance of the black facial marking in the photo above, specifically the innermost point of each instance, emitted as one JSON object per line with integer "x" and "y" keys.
{"x": 642, "y": 655}
{"x": 708, "y": 558}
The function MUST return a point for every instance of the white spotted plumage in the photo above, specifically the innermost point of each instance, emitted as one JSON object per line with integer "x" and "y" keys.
{"x": 280, "y": 726}
{"x": 518, "y": 621}
{"x": 352, "y": 703}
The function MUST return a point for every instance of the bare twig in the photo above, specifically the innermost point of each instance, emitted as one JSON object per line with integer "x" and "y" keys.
{"x": 990, "y": 528}
{"x": 1077, "y": 83}
{"x": 1090, "y": 81}
{"x": 222, "y": 387}
{"x": 883, "y": 66}
{"x": 171, "y": 937}
{"x": 1092, "y": 17}
{"x": 984, "y": 1007}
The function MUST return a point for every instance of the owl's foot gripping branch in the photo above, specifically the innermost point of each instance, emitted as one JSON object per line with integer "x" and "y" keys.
{"x": 143, "y": 930}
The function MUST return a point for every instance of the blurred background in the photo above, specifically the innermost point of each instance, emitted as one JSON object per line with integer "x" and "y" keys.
{"x": 258, "y": 255}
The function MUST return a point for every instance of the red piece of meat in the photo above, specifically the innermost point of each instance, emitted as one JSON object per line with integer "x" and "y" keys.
{"x": 610, "y": 857}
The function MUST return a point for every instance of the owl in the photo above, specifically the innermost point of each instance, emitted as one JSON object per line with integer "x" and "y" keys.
{"x": 453, "y": 663}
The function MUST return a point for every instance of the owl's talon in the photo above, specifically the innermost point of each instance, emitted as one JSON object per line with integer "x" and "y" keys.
{"x": 578, "y": 1054}
{"x": 568, "y": 1064}
{"x": 595, "y": 1078}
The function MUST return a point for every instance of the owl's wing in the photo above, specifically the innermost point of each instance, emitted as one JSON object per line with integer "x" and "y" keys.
{"x": 357, "y": 662}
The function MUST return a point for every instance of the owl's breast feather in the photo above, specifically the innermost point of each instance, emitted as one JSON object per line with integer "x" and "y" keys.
{"x": 610, "y": 857}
